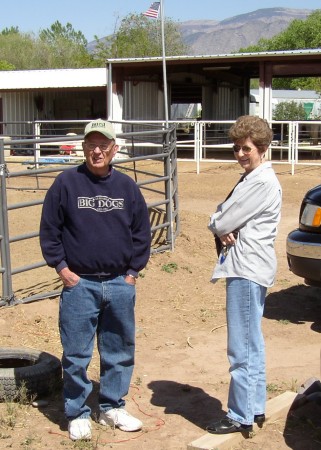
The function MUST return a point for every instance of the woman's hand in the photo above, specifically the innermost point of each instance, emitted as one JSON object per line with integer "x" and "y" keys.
{"x": 227, "y": 239}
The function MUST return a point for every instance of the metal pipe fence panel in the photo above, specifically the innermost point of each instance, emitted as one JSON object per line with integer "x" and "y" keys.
{"x": 155, "y": 174}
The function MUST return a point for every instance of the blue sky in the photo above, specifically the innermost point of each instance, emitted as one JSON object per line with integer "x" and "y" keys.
{"x": 99, "y": 17}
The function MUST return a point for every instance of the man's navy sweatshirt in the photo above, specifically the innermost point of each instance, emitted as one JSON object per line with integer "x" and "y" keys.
{"x": 95, "y": 225}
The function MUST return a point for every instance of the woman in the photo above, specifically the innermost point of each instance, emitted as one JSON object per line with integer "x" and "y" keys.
{"x": 246, "y": 224}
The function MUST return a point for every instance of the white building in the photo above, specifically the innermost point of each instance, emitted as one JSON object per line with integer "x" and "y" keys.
{"x": 310, "y": 100}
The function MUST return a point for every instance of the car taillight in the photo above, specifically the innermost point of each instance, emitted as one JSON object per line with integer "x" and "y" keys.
{"x": 311, "y": 215}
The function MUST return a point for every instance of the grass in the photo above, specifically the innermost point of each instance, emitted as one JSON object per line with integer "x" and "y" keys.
{"x": 169, "y": 267}
{"x": 85, "y": 445}
{"x": 15, "y": 415}
{"x": 30, "y": 441}
{"x": 273, "y": 388}
{"x": 284, "y": 321}
{"x": 138, "y": 381}
{"x": 207, "y": 314}
{"x": 14, "y": 406}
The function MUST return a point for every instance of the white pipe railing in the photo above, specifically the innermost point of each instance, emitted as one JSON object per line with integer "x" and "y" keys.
{"x": 208, "y": 140}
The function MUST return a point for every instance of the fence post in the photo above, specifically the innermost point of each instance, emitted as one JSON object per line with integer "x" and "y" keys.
{"x": 293, "y": 143}
{"x": 7, "y": 291}
{"x": 197, "y": 145}
{"x": 168, "y": 188}
{"x": 37, "y": 132}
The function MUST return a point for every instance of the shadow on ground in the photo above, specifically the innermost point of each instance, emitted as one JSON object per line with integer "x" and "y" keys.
{"x": 190, "y": 402}
{"x": 303, "y": 427}
{"x": 54, "y": 410}
{"x": 297, "y": 304}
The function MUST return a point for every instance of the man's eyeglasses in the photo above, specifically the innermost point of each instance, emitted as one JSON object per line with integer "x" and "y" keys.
{"x": 102, "y": 147}
{"x": 245, "y": 149}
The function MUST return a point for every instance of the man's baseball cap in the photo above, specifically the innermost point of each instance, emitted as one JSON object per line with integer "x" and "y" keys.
{"x": 101, "y": 126}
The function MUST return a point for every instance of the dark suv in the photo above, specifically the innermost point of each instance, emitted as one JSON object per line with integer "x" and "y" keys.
{"x": 303, "y": 245}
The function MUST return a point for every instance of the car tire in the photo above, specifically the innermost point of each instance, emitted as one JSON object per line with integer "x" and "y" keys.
{"x": 40, "y": 373}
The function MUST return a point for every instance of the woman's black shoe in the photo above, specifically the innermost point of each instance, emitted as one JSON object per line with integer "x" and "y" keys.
{"x": 259, "y": 419}
{"x": 225, "y": 426}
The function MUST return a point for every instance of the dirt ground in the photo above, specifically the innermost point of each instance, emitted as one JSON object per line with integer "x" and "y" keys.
{"x": 181, "y": 376}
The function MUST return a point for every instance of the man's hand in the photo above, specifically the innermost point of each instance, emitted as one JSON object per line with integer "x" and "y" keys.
{"x": 130, "y": 280}
{"x": 68, "y": 277}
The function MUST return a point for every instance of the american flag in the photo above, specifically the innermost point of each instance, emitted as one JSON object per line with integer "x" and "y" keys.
{"x": 153, "y": 10}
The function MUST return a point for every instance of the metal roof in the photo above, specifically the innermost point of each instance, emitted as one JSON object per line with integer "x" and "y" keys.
{"x": 196, "y": 58}
{"x": 52, "y": 78}
{"x": 305, "y": 62}
{"x": 97, "y": 77}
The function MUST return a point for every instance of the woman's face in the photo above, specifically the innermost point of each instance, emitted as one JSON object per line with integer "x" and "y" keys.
{"x": 247, "y": 154}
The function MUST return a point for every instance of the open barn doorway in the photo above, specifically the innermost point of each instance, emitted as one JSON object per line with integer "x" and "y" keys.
{"x": 186, "y": 107}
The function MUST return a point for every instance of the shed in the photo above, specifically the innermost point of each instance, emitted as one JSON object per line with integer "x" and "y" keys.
{"x": 57, "y": 94}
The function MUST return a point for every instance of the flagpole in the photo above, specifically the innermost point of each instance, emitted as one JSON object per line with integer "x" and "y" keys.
{"x": 164, "y": 62}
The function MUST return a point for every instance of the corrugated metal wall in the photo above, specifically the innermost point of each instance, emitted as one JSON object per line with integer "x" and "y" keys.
{"x": 140, "y": 101}
{"x": 222, "y": 103}
{"x": 17, "y": 107}
{"x": 51, "y": 105}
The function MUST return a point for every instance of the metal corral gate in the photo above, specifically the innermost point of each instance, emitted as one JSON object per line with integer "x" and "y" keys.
{"x": 155, "y": 173}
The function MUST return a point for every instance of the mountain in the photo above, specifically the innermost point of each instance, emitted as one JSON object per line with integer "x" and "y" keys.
{"x": 210, "y": 37}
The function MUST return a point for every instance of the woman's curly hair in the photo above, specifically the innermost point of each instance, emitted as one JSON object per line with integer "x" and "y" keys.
{"x": 253, "y": 127}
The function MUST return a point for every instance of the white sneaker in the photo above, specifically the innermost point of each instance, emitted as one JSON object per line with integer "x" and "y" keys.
{"x": 119, "y": 417}
{"x": 79, "y": 429}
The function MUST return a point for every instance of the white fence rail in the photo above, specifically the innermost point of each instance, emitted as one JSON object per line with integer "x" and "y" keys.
{"x": 295, "y": 142}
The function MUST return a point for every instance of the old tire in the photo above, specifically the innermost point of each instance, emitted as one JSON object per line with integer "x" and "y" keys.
{"x": 38, "y": 371}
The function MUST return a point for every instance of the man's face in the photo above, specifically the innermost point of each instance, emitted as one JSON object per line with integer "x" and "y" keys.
{"x": 99, "y": 151}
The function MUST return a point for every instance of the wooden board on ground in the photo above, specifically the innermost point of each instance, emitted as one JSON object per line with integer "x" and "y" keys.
{"x": 275, "y": 409}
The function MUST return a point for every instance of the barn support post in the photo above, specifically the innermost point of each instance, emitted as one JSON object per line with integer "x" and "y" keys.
{"x": 265, "y": 94}
{"x": 109, "y": 92}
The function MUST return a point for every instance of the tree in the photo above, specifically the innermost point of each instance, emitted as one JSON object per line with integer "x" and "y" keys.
{"x": 289, "y": 111}
{"x": 11, "y": 30}
{"x": 4, "y": 65}
{"x": 139, "y": 36}
{"x": 17, "y": 50}
{"x": 66, "y": 47}
{"x": 57, "y": 33}
{"x": 61, "y": 46}
{"x": 56, "y": 47}
{"x": 300, "y": 34}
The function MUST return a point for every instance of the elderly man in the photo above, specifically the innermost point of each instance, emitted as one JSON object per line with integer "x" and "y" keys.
{"x": 95, "y": 232}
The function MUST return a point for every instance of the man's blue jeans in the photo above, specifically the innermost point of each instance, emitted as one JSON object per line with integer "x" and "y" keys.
{"x": 245, "y": 349}
{"x": 106, "y": 308}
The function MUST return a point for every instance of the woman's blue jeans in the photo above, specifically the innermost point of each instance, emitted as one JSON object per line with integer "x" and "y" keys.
{"x": 245, "y": 349}
{"x": 105, "y": 308}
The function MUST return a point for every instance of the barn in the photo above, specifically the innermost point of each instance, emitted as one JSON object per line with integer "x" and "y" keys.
{"x": 133, "y": 89}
